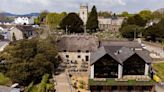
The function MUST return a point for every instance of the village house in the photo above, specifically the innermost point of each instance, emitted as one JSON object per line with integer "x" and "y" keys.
{"x": 112, "y": 24}
{"x": 6, "y": 22}
{"x": 24, "y": 20}
{"x": 75, "y": 51}
{"x": 120, "y": 67}
{"x": 19, "y": 31}
{"x": 152, "y": 22}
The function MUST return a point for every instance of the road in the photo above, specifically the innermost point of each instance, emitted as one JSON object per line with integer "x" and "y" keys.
{"x": 159, "y": 50}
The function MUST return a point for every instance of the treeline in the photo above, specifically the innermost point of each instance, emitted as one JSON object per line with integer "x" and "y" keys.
{"x": 139, "y": 25}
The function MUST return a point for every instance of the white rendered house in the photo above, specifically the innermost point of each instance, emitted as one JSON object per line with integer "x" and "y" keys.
{"x": 24, "y": 20}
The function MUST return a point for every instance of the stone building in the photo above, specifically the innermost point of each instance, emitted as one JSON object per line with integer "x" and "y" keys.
{"x": 112, "y": 24}
{"x": 75, "y": 50}
{"x": 83, "y": 13}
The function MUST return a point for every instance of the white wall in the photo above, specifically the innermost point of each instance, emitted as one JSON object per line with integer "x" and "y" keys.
{"x": 73, "y": 56}
{"x": 24, "y": 20}
{"x": 17, "y": 32}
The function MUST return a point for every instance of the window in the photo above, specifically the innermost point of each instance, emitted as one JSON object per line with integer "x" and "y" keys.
{"x": 67, "y": 56}
{"x": 79, "y": 51}
{"x": 87, "y": 51}
{"x": 65, "y": 50}
{"x": 78, "y": 56}
{"x": 86, "y": 58}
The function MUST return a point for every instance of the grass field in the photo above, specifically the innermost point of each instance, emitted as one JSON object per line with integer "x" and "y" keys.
{"x": 159, "y": 68}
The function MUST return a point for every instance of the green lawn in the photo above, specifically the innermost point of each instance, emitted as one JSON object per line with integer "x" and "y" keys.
{"x": 4, "y": 80}
{"x": 112, "y": 82}
{"x": 159, "y": 68}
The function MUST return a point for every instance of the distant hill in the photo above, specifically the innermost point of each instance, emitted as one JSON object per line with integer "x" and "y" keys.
{"x": 15, "y": 15}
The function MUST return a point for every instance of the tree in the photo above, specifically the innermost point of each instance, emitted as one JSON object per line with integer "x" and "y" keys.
{"x": 155, "y": 32}
{"x": 92, "y": 22}
{"x": 72, "y": 23}
{"x": 130, "y": 31}
{"x": 157, "y": 14}
{"x": 104, "y": 14}
{"x": 135, "y": 20}
{"x": 146, "y": 14}
{"x": 30, "y": 60}
{"x": 53, "y": 20}
{"x": 125, "y": 14}
{"x": 42, "y": 16}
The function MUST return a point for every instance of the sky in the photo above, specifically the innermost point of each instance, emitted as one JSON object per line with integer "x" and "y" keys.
{"x": 117, "y": 6}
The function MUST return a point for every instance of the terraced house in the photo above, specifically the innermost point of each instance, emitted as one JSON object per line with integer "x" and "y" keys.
{"x": 120, "y": 67}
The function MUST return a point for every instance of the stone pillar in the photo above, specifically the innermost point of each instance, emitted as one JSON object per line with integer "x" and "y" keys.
{"x": 146, "y": 69}
{"x": 92, "y": 72}
{"x": 120, "y": 70}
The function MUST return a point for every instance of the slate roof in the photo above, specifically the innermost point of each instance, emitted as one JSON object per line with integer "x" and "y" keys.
{"x": 119, "y": 53}
{"x": 6, "y": 26}
{"x": 78, "y": 42}
{"x": 24, "y": 28}
{"x": 130, "y": 44}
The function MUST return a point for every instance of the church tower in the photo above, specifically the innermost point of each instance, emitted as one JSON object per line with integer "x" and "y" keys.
{"x": 84, "y": 13}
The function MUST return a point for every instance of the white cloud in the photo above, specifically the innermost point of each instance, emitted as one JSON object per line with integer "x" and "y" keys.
{"x": 27, "y": 6}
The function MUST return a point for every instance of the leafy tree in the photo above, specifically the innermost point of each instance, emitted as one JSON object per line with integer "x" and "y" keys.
{"x": 36, "y": 21}
{"x": 146, "y": 14}
{"x": 157, "y": 14}
{"x": 155, "y": 32}
{"x": 135, "y": 20}
{"x": 42, "y": 16}
{"x": 104, "y": 14}
{"x": 30, "y": 60}
{"x": 73, "y": 23}
{"x": 125, "y": 14}
{"x": 129, "y": 31}
{"x": 53, "y": 20}
{"x": 92, "y": 22}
